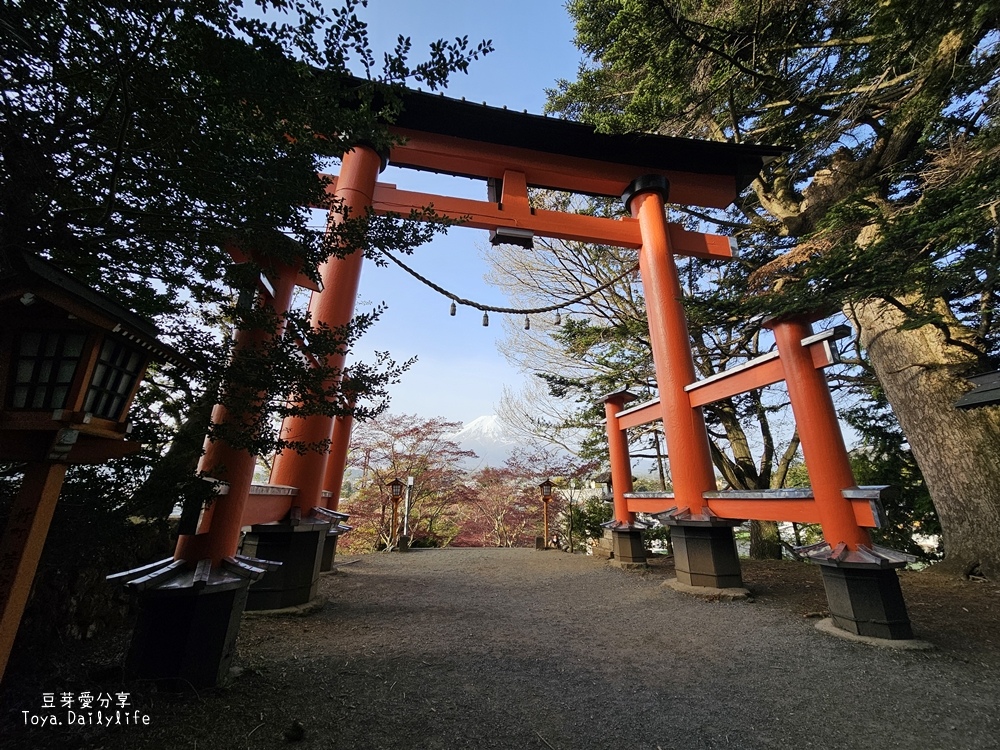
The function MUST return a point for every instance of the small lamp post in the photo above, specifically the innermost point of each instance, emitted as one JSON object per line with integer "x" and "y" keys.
{"x": 396, "y": 492}
{"x": 404, "y": 540}
{"x": 569, "y": 502}
{"x": 546, "y": 489}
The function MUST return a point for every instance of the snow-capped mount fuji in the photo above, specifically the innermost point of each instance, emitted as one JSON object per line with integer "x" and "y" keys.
{"x": 492, "y": 441}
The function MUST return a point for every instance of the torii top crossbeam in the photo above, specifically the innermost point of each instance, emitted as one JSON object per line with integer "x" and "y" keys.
{"x": 447, "y": 135}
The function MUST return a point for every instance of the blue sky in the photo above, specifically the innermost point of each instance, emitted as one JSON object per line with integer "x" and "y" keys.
{"x": 459, "y": 374}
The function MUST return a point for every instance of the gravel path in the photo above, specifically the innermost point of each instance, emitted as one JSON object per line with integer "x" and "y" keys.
{"x": 513, "y": 648}
{"x": 519, "y": 649}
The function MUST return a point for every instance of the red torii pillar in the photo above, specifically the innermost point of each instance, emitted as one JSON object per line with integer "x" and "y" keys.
{"x": 861, "y": 584}
{"x": 820, "y": 437}
{"x": 188, "y": 621}
{"x": 333, "y": 306}
{"x": 336, "y": 464}
{"x": 626, "y": 536}
{"x": 334, "y": 480}
{"x": 299, "y": 541}
{"x": 218, "y": 533}
{"x": 704, "y": 548}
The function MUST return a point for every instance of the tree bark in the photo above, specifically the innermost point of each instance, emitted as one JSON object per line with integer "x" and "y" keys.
{"x": 957, "y": 451}
{"x": 765, "y": 541}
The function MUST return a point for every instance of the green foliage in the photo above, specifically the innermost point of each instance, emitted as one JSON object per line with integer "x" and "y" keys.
{"x": 272, "y": 381}
{"x": 656, "y": 537}
{"x": 889, "y": 191}
{"x": 425, "y": 542}
{"x": 889, "y": 113}
{"x": 588, "y": 517}
{"x": 884, "y": 458}
{"x": 797, "y": 475}
{"x": 136, "y": 140}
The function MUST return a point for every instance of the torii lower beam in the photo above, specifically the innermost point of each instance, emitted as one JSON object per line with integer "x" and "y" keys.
{"x": 792, "y": 505}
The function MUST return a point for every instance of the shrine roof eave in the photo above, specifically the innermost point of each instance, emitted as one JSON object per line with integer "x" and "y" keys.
{"x": 633, "y": 153}
{"x": 24, "y": 273}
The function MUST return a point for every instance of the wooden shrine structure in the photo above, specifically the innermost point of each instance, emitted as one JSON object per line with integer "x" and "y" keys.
{"x": 71, "y": 362}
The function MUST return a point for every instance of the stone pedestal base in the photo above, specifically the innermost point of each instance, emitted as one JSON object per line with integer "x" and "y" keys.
{"x": 627, "y": 547}
{"x": 705, "y": 555}
{"x": 299, "y": 547}
{"x": 709, "y": 593}
{"x": 539, "y": 542}
{"x": 403, "y": 544}
{"x": 329, "y": 551}
{"x": 187, "y": 638}
{"x": 866, "y": 601}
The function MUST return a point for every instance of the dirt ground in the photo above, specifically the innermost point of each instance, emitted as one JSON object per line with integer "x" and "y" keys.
{"x": 514, "y": 648}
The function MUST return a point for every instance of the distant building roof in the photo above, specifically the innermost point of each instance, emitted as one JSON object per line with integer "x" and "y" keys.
{"x": 985, "y": 393}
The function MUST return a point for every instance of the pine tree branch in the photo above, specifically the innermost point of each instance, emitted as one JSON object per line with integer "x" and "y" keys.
{"x": 675, "y": 21}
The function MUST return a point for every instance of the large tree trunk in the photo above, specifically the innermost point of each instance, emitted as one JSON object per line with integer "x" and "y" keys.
{"x": 957, "y": 451}
{"x": 765, "y": 540}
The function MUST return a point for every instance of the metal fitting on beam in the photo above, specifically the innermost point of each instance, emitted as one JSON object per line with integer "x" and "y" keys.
{"x": 645, "y": 184}
{"x": 512, "y": 236}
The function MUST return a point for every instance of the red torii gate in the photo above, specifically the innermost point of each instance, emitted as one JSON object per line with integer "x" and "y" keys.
{"x": 513, "y": 152}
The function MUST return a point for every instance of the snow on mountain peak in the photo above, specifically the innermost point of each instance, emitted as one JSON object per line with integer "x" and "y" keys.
{"x": 488, "y": 427}
{"x": 488, "y": 437}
